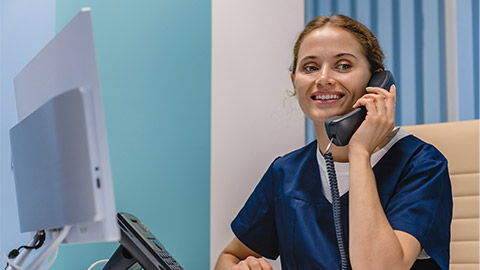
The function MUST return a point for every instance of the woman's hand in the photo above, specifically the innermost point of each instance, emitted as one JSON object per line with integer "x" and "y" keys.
{"x": 238, "y": 256}
{"x": 379, "y": 122}
{"x": 253, "y": 263}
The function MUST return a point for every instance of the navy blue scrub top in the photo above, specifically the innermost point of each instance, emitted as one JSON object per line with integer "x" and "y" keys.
{"x": 288, "y": 215}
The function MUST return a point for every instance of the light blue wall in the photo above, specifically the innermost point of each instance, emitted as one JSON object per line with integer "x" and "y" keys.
{"x": 25, "y": 27}
{"x": 154, "y": 65}
{"x": 412, "y": 36}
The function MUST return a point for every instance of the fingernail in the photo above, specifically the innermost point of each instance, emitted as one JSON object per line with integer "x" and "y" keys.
{"x": 368, "y": 87}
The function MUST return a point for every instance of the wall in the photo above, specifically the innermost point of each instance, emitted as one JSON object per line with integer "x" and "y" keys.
{"x": 253, "y": 119}
{"x": 154, "y": 65}
{"x": 25, "y": 27}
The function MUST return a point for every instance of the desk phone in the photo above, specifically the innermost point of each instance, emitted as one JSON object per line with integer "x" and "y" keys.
{"x": 139, "y": 249}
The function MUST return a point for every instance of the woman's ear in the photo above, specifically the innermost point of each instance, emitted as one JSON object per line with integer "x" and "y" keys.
{"x": 292, "y": 77}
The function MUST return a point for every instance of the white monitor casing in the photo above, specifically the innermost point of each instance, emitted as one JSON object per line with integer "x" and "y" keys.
{"x": 64, "y": 75}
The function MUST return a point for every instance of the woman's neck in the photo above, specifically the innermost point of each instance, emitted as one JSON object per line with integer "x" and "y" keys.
{"x": 339, "y": 153}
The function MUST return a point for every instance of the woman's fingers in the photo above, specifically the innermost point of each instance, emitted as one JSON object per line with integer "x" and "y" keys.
{"x": 265, "y": 264}
{"x": 383, "y": 100}
{"x": 380, "y": 119}
{"x": 253, "y": 263}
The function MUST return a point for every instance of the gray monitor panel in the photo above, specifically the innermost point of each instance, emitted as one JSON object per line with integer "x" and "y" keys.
{"x": 68, "y": 62}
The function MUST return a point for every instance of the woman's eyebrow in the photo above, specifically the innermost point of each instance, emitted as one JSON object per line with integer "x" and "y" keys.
{"x": 340, "y": 55}
{"x": 310, "y": 57}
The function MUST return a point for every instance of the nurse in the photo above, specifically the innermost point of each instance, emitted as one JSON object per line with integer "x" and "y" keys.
{"x": 395, "y": 189}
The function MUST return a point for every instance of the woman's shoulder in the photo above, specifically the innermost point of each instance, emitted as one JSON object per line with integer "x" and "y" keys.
{"x": 299, "y": 155}
{"x": 410, "y": 154}
{"x": 417, "y": 148}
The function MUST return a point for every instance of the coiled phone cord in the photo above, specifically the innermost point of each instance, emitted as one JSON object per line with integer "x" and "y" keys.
{"x": 336, "y": 206}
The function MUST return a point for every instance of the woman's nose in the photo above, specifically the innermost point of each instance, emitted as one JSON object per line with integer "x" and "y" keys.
{"x": 325, "y": 78}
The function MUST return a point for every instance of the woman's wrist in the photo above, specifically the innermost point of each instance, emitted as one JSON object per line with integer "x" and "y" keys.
{"x": 357, "y": 153}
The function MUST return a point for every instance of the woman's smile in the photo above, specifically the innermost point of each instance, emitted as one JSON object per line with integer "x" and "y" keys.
{"x": 326, "y": 97}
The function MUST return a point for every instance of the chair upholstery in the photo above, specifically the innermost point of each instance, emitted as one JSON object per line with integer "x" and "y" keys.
{"x": 458, "y": 141}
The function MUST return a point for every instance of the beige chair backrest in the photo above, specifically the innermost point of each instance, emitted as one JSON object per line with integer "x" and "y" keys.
{"x": 458, "y": 141}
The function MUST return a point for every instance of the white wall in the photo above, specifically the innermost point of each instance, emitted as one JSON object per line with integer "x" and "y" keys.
{"x": 25, "y": 27}
{"x": 253, "y": 119}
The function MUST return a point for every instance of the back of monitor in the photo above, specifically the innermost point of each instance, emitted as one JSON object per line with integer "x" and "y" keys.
{"x": 66, "y": 63}
{"x": 52, "y": 166}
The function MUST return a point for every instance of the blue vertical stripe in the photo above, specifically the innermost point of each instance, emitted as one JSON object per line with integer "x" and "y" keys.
{"x": 385, "y": 30}
{"x": 374, "y": 16}
{"x": 364, "y": 11}
{"x": 353, "y": 7}
{"x": 476, "y": 71}
{"x": 325, "y": 8}
{"x": 344, "y": 7}
{"x": 333, "y": 6}
{"x": 418, "y": 17}
{"x": 309, "y": 131}
{"x": 432, "y": 56}
{"x": 465, "y": 60}
{"x": 396, "y": 59}
{"x": 311, "y": 9}
{"x": 406, "y": 83}
{"x": 443, "y": 62}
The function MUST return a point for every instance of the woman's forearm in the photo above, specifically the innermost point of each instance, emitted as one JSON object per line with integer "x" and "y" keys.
{"x": 373, "y": 243}
{"x": 226, "y": 261}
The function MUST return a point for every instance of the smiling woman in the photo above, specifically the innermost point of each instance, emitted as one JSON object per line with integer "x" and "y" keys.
{"x": 332, "y": 71}
{"x": 394, "y": 188}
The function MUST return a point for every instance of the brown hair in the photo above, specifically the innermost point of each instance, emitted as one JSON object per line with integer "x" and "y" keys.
{"x": 364, "y": 36}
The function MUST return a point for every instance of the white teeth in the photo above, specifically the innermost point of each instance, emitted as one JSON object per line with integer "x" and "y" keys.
{"x": 326, "y": 97}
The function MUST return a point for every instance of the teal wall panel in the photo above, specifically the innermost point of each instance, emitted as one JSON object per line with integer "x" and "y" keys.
{"x": 155, "y": 68}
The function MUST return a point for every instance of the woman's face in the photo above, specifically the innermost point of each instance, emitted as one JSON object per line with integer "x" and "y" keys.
{"x": 331, "y": 74}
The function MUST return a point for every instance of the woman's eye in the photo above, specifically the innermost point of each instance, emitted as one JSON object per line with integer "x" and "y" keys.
{"x": 310, "y": 68}
{"x": 344, "y": 66}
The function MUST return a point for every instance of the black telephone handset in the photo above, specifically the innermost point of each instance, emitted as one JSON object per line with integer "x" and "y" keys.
{"x": 341, "y": 128}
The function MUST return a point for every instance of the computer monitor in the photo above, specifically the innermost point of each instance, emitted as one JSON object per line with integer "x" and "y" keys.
{"x": 59, "y": 147}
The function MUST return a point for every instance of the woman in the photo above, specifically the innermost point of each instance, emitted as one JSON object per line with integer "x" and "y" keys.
{"x": 395, "y": 190}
